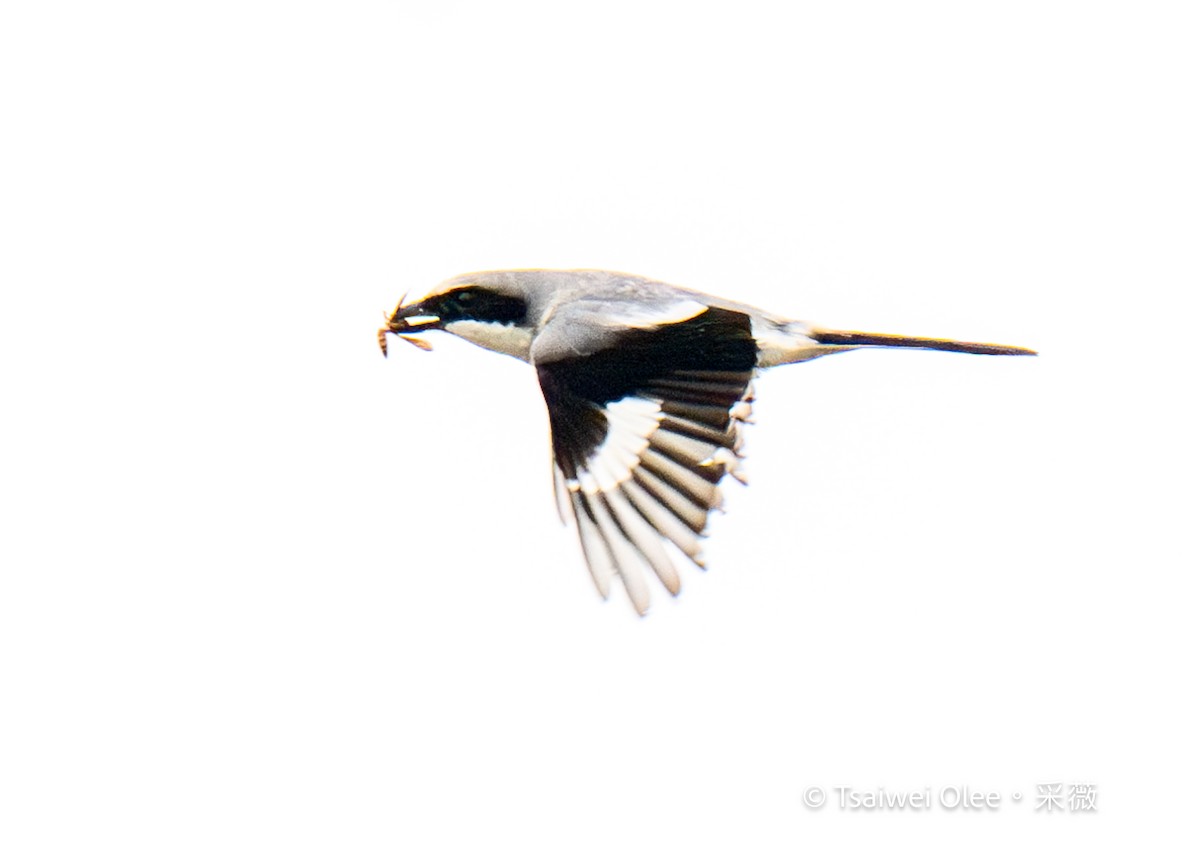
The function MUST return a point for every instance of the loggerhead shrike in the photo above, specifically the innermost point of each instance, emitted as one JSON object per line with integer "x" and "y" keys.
{"x": 647, "y": 386}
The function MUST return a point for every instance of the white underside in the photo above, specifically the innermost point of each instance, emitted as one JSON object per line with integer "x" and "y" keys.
{"x": 787, "y": 343}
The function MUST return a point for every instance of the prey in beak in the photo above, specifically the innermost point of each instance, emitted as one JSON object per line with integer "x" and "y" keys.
{"x": 405, "y": 319}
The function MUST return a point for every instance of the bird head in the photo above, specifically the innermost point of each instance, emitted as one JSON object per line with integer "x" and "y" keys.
{"x": 491, "y": 311}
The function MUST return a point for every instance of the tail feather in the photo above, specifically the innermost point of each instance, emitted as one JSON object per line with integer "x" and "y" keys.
{"x": 855, "y": 338}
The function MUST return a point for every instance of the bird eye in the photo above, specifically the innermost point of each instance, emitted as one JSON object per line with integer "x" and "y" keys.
{"x": 466, "y": 295}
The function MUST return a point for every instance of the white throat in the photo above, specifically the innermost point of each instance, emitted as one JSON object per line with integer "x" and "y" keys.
{"x": 508, "y": 339}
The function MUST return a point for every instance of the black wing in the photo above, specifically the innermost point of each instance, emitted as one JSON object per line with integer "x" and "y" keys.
{"x": 643, "y": 431}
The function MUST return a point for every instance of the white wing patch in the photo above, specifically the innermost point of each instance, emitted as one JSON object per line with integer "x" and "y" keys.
{"x": 631, "y": 422}
{"x": 653, "y": 478}
{"x": 648, "y": 315}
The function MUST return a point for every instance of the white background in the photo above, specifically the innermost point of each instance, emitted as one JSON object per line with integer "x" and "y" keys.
{"x": 266, "y": 592}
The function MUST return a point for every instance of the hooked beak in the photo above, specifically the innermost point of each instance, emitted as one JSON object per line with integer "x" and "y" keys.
{"x": 405, "y": 320}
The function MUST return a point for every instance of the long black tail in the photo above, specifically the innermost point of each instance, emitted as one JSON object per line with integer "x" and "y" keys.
{"x": 854, "y": 337}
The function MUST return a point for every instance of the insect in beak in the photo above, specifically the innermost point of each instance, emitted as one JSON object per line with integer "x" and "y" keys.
{"x": 397, "y": 323}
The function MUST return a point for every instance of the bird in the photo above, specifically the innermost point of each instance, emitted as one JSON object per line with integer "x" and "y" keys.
{"x": 647, "y": 386}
